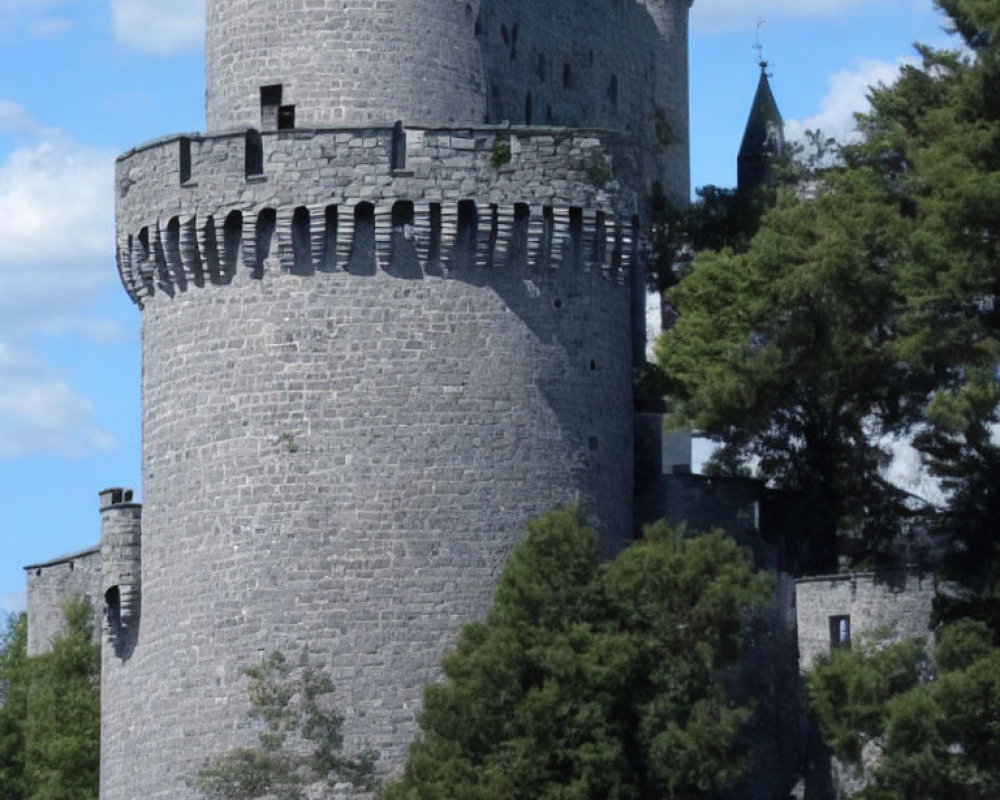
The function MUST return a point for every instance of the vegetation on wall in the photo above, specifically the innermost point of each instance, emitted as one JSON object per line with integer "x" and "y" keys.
{"x": 589, "y": 679}
{"x": 299, "y": 742}
{"x": 50, "y": 719}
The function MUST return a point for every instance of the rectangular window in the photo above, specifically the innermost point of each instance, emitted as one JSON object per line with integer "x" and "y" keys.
{"x": 840, "y": 631}
{"x": 270, "y": 102}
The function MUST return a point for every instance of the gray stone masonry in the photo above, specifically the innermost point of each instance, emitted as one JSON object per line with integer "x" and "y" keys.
{"x": 51, "y": 584}
{"x": 386, "y": 321}
{"x": 590, "y": 63}
{"x": 898, "y": 605}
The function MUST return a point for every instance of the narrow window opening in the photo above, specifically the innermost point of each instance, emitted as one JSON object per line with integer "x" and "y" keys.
{"x": 465, "y": 238}
{"x": 567, "y": 76}
{"x": 517, "y": 249}
{"x": 504, "y": 35}
{"x": 362, "y": 261}
{"x": 540, "y": 67}
{"x": 172, "y": 251}
{"x": 286, "y": 118}
{"x": 301, "y": 242}
{"x": 113, "y": 608}
{"x": 575, "y": 236}
{"x": 253, "y": 153}
{"x": 527, "y": 109}
{"x": 592, "y": 442}
{"x": 404, "y": 262}
{"x": 211, "y": 249}
{"x": 840, "y": 631}
{"x": 545, "y": 253}
{"x": 613, "y": 90}
{"x": 232, "y": 236}
{"x": 433, "y": 264}
{"x": 398, "y": 155}
{"x": 266, "y": 222}
{"x": 600, "y": 254}
{"x": 184, "y": 152}
{"x": 593, "y": 365}
{"x": 270, "y": 102}
{"x": 329, "y": 239}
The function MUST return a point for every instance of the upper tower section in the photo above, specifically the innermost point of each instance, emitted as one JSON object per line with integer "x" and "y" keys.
{"x": 327, "y": 63}
{"x": 616, "y": 64}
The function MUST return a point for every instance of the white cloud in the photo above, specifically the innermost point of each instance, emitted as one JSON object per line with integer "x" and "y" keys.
{"x": 56, "y": 215}
{"x": 847, "y": 95}
{"x": 41, "y": 414}
{"x": 15, "y": 118}
{"x": 715, "y": 16}
{"x": 159, "y": 27}
{"x": 56, "y": 250}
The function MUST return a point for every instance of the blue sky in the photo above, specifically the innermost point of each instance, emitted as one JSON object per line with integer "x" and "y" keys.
{"x": 82, "y": 80}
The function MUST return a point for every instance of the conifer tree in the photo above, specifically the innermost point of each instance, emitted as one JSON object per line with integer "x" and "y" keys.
{"x": 592, "y": 681}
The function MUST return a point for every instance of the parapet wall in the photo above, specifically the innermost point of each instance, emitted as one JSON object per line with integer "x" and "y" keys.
{"x": 196, "y": 209}
{"x": 51, "y": 584}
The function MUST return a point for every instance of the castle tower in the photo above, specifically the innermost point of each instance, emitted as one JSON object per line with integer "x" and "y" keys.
{"x": 385, "y": 322}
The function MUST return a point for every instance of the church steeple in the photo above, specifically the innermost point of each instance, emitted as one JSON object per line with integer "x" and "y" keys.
{"x": 763, "y": 138}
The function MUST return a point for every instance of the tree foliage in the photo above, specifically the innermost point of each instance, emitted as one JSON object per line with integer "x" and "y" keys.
{"x": 299, "y": 743}
{"x": 13, "y": 706}
{"x": 933, "y": 723}
{"x": 591, "y": 680}
{"x": 868, "y": 303}
{"x": 50, "y": 718}
{"x": 64, "y": 719}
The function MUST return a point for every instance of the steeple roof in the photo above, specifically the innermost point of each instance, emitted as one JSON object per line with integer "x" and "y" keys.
{"x": 763, "y": 138}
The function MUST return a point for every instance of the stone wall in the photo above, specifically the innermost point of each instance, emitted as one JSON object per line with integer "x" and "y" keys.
{"x": 332, "y": 200}
{"x": 897, "y": 604}
{"x": 51, "y": 584}
{"x": 604, "y": 63}
{"x": 350, "y": 410}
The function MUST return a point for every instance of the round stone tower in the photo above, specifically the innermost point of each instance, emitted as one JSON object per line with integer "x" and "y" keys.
{"x": 371, "y": 353}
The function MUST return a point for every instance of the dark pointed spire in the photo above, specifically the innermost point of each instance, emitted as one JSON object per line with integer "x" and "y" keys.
{"x": 763, "y": 139}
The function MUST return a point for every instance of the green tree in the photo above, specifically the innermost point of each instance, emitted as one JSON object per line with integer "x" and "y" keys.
{"x": 64, "y": 712}
{"x": 935, "y": 137}
{"x": 784, "y": 354}
{"x": 13, "y": 706}
{"x": 933, "y": 724}
{"x": 591, "y": 680}
{"x": 292, "y": 706}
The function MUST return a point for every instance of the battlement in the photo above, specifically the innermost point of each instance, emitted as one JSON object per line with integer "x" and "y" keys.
{"x": 196, "y": 209}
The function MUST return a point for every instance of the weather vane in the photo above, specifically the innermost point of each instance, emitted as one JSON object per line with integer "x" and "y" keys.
{"x": 758, "y": 45}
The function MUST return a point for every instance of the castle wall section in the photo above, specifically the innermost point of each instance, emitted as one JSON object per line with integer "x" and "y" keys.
{"x": 840, "y": 610}
{"x": 355, "y": 395}
{"x": 50, "y": 585}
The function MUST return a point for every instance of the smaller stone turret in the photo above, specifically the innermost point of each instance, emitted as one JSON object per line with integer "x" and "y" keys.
{"x": 121, "y": 565}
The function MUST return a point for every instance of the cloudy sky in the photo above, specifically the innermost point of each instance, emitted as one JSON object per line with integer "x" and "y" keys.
{"x": 82, "y": 80}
